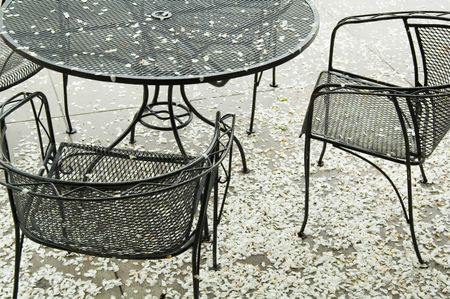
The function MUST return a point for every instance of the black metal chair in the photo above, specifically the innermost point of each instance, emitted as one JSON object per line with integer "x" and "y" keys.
{"x": 14, "y": 69}
{"x": 113, "y": 202}
{"x": 402, "y": 125}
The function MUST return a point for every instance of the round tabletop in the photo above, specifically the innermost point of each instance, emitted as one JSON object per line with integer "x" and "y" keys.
{"x": 159, "y": 41}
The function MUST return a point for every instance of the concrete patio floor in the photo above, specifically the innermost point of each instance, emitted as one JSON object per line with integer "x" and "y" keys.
{"x": 358, "y": 243}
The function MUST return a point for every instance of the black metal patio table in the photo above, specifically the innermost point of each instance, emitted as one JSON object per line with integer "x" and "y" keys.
{"x": 160, "y": 42}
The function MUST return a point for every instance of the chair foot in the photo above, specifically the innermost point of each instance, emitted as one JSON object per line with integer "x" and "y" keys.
{"x": 425, "y": 182}
{"x": 216, "y": 267}
{"x": 242, "y": 153}
{"x": 424, "y": 176}
{"x": 132, "y": 135}
{"x": 418, "y": 255}
{"x": 245, "y": 170}
{"x": 250, "y": 131}
{"x": 301, "y": 235}
{"x": 206, "y": 238}
{"x": 71, "y": 131}
{"x": 423, "y": 265}
{"x": 274, "y": 85}
{"x": 132, "y": 139}
{"x": 320, "y": 161}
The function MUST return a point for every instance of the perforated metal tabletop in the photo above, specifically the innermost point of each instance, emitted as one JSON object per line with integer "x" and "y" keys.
{"x": 159, "y": 41}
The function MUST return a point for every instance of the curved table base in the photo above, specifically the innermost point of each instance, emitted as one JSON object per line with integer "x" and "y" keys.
{"x": 177, "y": 120}
{"x": 183, "y": 116}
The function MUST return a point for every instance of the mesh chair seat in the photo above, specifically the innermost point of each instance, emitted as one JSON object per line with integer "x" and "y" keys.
{"x": 14, "y": 68}
{"x": 357, "y": 120}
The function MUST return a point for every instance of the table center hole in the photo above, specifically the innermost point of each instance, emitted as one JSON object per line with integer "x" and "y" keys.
{"x": 161, "y": 14}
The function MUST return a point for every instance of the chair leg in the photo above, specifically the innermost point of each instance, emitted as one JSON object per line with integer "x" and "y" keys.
{"x": 196, "y": 270}
{"x": 19, "y": 245}
{"x": 424, "y": 177}
{"x": 206, "y": 237}
{"x": 307, "y": 154}
{"x": 215, "y": 222}
{"x": 320, "y": 161}
{"x": 410, "y": 216}
{"x": 70, "y": 129}
{"x": 132, "y": 135}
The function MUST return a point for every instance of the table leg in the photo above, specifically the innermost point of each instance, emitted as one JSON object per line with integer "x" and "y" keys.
{"x": 172, "y": 121}
{"x": 124, "y": 134}
{"x": 274, "y": 83}
{"x": 256, "y": 81}
{"x": 70, "y": 129}
{"x": 211, "y": 123}
{"x": 135, "y": 120}
{"x": 145, "y": 98}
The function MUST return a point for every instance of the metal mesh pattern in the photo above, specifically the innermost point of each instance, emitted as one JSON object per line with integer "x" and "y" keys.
{"x": 433, "y": 119}
{"x": 123, "y": 220}
{"x": 14, "y": 68}
{"x": 121, "y": 40}
{"x": 360, "y": 120}
{"x": 367, "y": 120}
{"x": 435, "y": 44}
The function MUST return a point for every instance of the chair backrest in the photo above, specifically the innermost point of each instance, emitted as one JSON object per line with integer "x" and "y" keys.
{"x": 429, "y": 37}
{"x": 149, "y": 218}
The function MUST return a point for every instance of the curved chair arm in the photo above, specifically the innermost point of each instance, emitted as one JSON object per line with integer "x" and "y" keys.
{"x": 40, "y": 107}
{"x": 368, "y": 18}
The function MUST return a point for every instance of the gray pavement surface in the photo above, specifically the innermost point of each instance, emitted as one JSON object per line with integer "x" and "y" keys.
{"x": 358, "y": 245}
